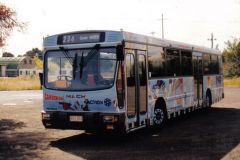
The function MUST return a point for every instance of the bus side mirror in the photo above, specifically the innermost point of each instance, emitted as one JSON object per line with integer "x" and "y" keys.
{"x": 41, "y": 79}
{"x": 120, "y": 52}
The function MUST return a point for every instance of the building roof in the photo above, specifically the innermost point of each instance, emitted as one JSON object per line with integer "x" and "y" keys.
{"x": 10, "y": 60}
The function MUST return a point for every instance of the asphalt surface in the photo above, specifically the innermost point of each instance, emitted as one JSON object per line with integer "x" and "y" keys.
{"x": 213, "y": 134}
{"x": 19, "y": 98}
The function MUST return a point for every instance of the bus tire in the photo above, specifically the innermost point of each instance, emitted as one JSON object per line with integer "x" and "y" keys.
{"x": 208, "y": 100}
{"x": 160, "y": 114}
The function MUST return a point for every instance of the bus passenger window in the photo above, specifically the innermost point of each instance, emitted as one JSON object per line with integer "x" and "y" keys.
{"x": 186, "y": 63}
{"x": 214, "y": 64}
{"x": 206, "y": 64}
{"x": 156, "y": 61}
{"x": 173, "y": 62}
{"x": 220, "y": 64}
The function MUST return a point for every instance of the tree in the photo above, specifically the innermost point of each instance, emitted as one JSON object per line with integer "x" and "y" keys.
{"x": 231, "y": 58}
{"x": 7, "y": 54}
{"x": 8, "y": 22}
{"x": 34, "y": 52}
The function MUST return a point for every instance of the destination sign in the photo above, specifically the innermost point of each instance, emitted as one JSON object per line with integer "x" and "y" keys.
{"x": 76, "y": 38}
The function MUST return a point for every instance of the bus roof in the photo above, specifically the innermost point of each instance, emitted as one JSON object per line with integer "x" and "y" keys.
{"x": 108, "y": 36}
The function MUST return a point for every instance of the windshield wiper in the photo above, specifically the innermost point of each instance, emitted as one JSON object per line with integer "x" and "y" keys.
{"x": 81, "y": 65}
{"x": 91, "y": 53}
{"x": 66, "y": 54}
{"x": 74, "y": 65}
{"x": 83, "y": 61}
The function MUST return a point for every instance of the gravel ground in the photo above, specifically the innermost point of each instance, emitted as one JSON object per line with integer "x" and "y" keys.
{"x": 213, "y": 134}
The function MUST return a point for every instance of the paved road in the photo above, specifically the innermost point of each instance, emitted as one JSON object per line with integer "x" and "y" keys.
{"x": 201, "y": 135}
{"x": 12, "y": 98}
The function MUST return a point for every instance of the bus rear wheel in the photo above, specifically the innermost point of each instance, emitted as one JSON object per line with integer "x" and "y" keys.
{"x": 208, "y": 100}
{"x": 160, "y": 115}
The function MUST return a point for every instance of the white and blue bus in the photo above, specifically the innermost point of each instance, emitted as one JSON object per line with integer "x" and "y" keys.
{"x": 121, "y": 81}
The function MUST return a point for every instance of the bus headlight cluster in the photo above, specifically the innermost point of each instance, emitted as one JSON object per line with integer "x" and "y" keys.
{"x": 45, "y": 115}
{"x": 110, "y": 118}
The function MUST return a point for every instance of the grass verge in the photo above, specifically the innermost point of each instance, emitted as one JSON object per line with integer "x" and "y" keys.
{"x": 232, "y": 82}
{"x": 19, "y": 83}
{"x": 33, "y": 83}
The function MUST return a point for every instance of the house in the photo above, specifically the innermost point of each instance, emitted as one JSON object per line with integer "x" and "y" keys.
{"x": 18, "y": 66}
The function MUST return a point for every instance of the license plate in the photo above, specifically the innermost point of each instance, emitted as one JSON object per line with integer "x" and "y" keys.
{"x": 75, "y": 118}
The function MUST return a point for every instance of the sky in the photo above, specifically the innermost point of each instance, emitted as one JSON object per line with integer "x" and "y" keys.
{"x": 189, "y": 21}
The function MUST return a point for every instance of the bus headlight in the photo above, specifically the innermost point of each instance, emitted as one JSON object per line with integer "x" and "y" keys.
{"x": 45, "y": 115}
{"x": 110, "y": 118}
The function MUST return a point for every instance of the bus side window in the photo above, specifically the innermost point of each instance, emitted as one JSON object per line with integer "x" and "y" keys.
{"x": 214, "y": 64}
{"x": 206, "y": 64}
{"x": 220, "y": 64}
{"x": 156, "y": 61}
{"x": 186, "y": 63}
{"x": 173, "y": 62}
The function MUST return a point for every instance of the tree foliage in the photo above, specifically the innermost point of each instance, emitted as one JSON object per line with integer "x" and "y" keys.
{"x": 8, "y": 21}
{"x": 34, "y": 52}
{"x": 231, "y": 58}
{"x": 38, "y": 62}
{"x": 7, "y": 54}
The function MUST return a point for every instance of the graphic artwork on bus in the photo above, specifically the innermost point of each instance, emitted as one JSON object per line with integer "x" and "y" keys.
{"x": 175, "y": 86}
{"x": 218, "y": 81}
{"x": 158, "y": 88}
{"x": 210, "y": 82}
{"x": 84, "y": 106}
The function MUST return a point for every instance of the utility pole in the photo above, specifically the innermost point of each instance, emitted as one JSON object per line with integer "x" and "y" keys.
{"x": 212, "y": 39}
{"x": 162, "y": 28}
{"x": 162, "y": 19}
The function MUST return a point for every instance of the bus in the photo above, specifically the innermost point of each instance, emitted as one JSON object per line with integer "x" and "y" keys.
{"x": 101, "y": 80}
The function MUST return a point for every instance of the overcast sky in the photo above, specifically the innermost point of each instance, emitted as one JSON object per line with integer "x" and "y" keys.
{"x": 190, "y": 21}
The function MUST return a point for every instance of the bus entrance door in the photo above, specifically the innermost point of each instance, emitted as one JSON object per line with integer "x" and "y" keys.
{"x": 136, "y": 88}
{"x": 198, "y": 78}
{"x": 141, "y": 88}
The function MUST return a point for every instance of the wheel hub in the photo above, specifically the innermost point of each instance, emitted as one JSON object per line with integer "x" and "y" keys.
{"x": 158, "y": 116}
{"x": 207, "y": 101}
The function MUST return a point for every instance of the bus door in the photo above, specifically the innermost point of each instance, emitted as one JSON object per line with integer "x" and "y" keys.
{"x": 142, "y": 87}
{"x": 198, "y": 77}
{"x": 136, "y": 87}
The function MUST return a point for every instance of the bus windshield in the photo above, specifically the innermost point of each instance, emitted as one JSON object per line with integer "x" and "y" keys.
{"x": 82, "y": 69}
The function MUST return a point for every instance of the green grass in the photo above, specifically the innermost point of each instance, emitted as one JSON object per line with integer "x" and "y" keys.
{"x": 19, "y": 83}
{"x": 33, "y": 83}
{"x": 232, "y": 82}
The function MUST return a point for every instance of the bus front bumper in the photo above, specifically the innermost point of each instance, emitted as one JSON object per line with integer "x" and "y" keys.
{"x": 83, "y": 120}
